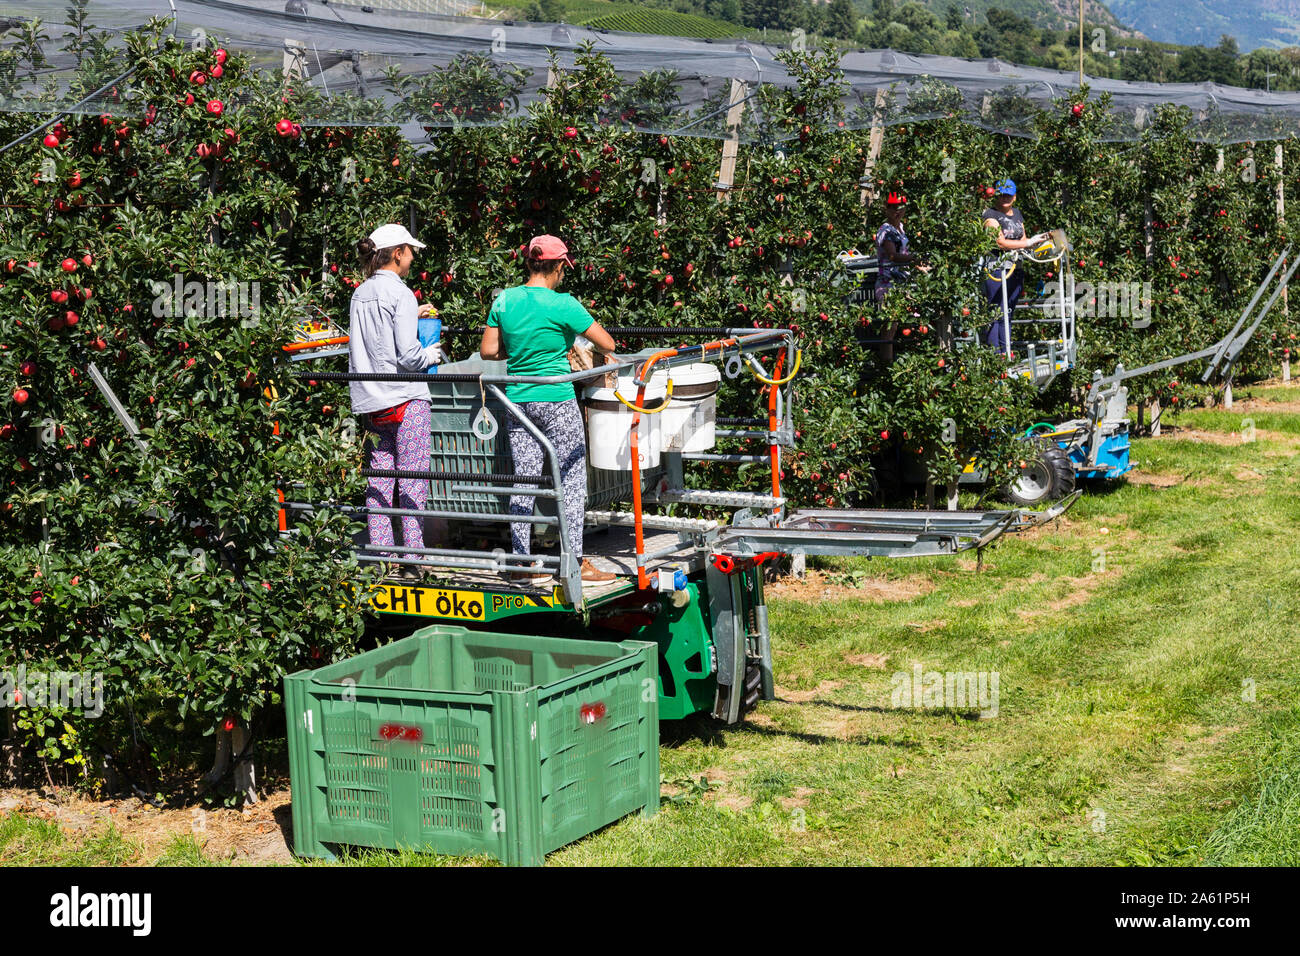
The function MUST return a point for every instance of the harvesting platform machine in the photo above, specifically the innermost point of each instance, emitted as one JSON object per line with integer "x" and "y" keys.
{"x": 687, "y": 558}
{"x": 1059, "y": 456}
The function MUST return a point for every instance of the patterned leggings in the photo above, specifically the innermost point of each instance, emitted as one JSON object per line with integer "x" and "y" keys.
{"x": 403, "y": 447}
{"x": 561, "y": 423}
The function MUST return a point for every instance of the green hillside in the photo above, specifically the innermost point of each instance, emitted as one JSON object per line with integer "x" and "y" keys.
{"x": 636, "y": 18}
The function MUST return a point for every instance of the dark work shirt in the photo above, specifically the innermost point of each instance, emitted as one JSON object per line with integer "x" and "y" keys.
{"x": 1012, "y": 225}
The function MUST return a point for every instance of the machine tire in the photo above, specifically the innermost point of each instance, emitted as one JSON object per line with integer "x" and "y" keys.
{"x": 1063, "y": 474}
{"x": 1048, "y": 475}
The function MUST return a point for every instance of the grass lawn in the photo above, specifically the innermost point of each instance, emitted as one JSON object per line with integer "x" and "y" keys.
{"x": 1147, "y": 708}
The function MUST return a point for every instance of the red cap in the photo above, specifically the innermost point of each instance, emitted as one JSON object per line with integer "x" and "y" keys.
{"x": 896, "y": 199}
{"x": 543, "y": 248}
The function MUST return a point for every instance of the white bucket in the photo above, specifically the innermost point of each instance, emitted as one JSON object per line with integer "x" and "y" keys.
{"x": 688, "y": 423}
{"x": 609, "y": 426}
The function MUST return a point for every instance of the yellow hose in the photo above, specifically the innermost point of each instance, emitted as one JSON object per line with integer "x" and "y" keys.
{"x": 1003, "y": 277}
{"x": 798, "y": 357}
{"x": 648, "y": 411}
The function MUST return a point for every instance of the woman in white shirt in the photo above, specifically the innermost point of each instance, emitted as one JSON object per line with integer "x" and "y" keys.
{"x": 383, "y": 337}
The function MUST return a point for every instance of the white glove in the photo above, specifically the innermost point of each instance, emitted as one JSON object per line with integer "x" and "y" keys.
{"x": 434, "y": 354}
{"x": 1041, "y": 237}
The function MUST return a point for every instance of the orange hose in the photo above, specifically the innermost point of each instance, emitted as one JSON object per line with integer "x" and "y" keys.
{"x": 642, "y": 579}
{"x": 282, "y": 520}
{"x": 773, "y": 450}
{"x": 299, "y": 346}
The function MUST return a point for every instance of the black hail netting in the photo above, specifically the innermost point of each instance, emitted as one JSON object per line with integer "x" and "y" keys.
{"x": 355, "y": 57}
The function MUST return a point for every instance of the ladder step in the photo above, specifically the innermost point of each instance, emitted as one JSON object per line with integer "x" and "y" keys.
{"x": 720, "y": 499}
{"x": 657, "y": 522}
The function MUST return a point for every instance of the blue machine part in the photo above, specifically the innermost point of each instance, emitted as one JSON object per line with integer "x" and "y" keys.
{"x": 1112, "y": 452}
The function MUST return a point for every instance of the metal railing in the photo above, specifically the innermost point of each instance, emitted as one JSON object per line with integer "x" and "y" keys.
{"x": 734, "y": 351}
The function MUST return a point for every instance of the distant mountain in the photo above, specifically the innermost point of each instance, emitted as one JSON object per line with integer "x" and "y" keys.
{"x": 1253, "y": 23}
{"x": 1056, "y": 14}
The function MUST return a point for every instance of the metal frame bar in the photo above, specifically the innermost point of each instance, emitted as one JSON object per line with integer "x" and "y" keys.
{"x": 414, "y": 512}
{"x": 570, "y": 567}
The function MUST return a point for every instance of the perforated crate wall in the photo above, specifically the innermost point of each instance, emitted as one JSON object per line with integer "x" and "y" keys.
{"x": 465, "y": 742}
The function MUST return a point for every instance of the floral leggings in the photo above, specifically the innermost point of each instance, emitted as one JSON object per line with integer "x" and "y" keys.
{"x": 404, "y": 447}
{"x": 561, "y": 423}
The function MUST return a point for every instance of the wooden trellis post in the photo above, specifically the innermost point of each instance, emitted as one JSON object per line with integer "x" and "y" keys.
{"x": 731, "y": 145}
{"x": 294, "y": 56}
{"x": 868, "y": 191}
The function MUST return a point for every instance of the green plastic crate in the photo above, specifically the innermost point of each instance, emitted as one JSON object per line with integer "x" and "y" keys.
{"x": 455, "y": 447}
{"x": 464, "y": 742}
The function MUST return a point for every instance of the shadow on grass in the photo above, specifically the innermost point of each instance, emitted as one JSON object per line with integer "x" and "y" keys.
{"x": 701, "y": 727}
{"x": 859, "y": 740}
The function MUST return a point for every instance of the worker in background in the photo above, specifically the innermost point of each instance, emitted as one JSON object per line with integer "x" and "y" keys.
{"x": 1000, "y": 268}
{"x": 894, "y": 255}
{"x": 383, "y": 337}
{"x": 532, "y": 327}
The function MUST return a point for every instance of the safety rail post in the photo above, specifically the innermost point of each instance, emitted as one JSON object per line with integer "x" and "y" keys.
{"x": 1060, "y": 298}
{"x": 1006, "y": 312}
{"x": 570, "y": 569}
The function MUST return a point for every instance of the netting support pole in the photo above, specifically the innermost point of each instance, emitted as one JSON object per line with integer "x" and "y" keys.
{"x": 868, "y": 193}
{"x": 1281, "y": 220}
{"x": 731, "y": 146}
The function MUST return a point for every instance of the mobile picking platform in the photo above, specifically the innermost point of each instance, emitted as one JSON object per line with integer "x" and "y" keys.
{"x": 688, "y": 559}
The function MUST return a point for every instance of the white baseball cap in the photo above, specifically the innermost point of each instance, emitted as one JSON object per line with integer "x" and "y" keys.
{"x": 391, "y": 234}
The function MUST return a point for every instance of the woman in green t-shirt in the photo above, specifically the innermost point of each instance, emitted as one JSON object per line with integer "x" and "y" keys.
{"x": 533, "y": 327}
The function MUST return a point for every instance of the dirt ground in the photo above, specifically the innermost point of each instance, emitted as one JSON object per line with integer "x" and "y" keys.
{"x": 816, "y": 584}
{"x": 259, "y": 834}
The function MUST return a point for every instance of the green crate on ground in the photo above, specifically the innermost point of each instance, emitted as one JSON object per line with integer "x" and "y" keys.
{"x": 463, "y": 742}
{"x": 455, "y": 447}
